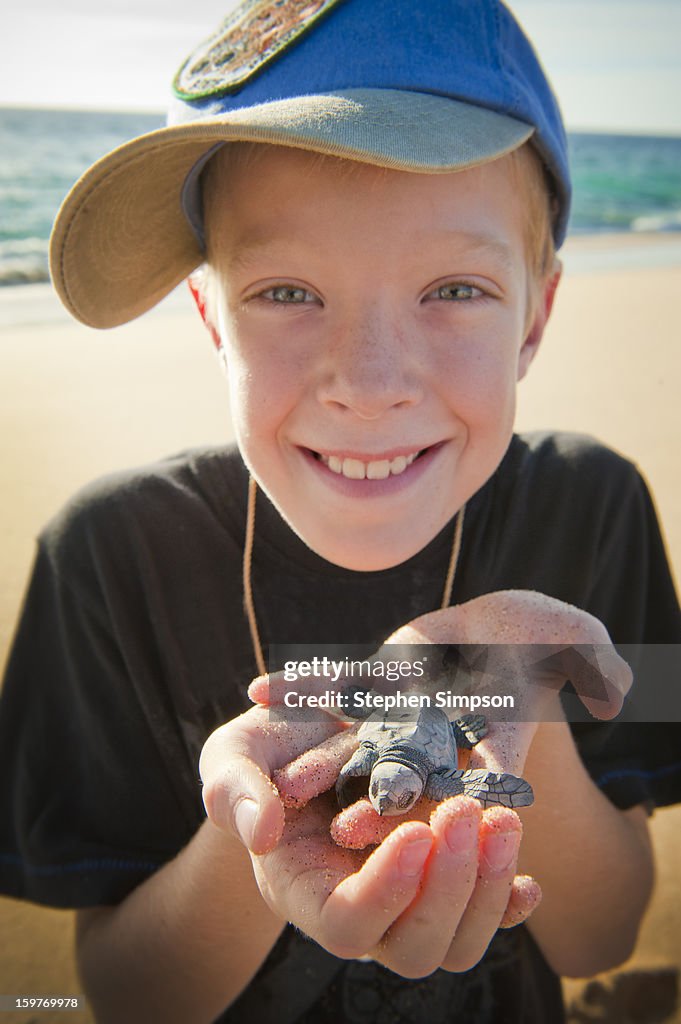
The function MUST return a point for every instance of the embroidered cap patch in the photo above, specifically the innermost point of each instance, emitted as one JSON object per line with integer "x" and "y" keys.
{"x": 254, "y": 34}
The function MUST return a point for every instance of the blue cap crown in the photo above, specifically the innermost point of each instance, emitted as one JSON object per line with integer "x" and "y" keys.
{"x": 469, "y": 50}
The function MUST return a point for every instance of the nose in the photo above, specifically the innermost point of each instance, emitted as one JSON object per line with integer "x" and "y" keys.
{"x": 384, "y": 804}
{"x": 370, "y": 366}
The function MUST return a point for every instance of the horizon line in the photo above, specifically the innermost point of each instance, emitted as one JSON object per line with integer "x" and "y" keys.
{"x": 642, "y": 132}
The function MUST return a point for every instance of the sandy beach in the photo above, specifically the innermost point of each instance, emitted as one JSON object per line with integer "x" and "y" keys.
{"x": 76, "y": 403}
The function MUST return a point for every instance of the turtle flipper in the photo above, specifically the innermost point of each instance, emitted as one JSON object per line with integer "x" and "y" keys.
{"x": 361, "y": 763}
{"x": 441, "y": 785}
{"x": 491, "y": 788}
{"x": 487, "y": 787}
{"x": 468, "y": 730}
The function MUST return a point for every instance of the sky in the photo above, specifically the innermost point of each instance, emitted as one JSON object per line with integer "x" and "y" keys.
{"x": 614, "y": 63}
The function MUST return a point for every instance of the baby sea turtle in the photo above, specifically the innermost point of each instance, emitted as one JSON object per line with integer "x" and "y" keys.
{"x": 408, "y": 758}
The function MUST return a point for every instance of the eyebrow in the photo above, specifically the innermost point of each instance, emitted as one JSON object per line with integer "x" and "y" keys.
{"x": 461, "y": 243}
{"x": 484, "y": 245}
{"x": 246, "y": 252}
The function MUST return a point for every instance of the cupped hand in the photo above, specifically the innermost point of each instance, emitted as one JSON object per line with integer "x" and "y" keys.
{"x": 434, "y": 891}
{"x": 531, "y": 638}
{"x": 522, "y": 643}
{"x": 239, "y": 758}
{"x": 432, "y": 894}
{"x": 527, "y": 645}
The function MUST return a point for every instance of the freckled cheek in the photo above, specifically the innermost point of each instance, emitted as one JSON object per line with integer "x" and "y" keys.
{"x": 262, "y": 396}
{"x": 480, "y": 387}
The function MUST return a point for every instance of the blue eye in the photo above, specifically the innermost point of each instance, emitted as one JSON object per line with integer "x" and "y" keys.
{"x": 287, "y": 293}
{"x": 457, "y": 292}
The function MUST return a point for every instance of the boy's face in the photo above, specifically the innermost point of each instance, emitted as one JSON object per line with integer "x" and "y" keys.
{"x": 371, "y": 319}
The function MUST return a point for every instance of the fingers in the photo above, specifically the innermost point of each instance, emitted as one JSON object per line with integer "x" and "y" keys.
{"x": 419, "y": 941}
{"x": 315, "y": 771}
{"x": 238, "y": 794}
{"x": 364, "y": 906}
{"x": 270, "y": 689}
{"x": 343, "y": 902}
{"x": 576, "y": 645}
{"x": 598, "y": 674}
{"x": 469, "y": 887}
{"x": 273, "y": 690}
{"x": 359, "y": 825}
{"x": 426, "y": 897}
{"x": 525, "y": 897}
{"x": 499, "y": 842}
{"x": 243, "y": 801}
{"x": 235, "y": 766}
{"x": 468, "y": 891}
{"x": 583, "y": 651}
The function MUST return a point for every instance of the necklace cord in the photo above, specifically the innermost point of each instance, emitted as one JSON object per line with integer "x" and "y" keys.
{"x": 453, "y": 558}
{"x": 247, "y": 573}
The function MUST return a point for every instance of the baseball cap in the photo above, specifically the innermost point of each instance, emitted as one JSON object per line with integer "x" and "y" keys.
{"x": 431, "y": 86}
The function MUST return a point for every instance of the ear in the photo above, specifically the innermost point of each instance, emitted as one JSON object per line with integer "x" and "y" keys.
{"x": 197, "y": 287}
{"x": 540, "y": 319}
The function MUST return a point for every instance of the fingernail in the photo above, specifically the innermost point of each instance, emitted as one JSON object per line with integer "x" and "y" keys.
{"x": 462, "y": 835}
{"x": 500, "y": 849}
{"x": 245, "y": 817}
{"x": 414, "y": 856}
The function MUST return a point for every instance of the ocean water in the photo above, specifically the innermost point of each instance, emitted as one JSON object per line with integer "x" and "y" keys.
{"x": 622, "y": 183}
{"x": 42, "y": 153}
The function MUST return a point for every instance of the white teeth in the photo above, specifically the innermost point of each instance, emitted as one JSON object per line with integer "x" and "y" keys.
{"x": 378, "y": 470}
{"x": 355, "y": 469}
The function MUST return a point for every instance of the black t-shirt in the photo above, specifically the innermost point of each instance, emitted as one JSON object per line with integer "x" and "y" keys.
{"x": 133, "y": 646}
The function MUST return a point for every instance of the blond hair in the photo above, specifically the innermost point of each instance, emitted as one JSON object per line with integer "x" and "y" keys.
{"x": 532, "y": 179}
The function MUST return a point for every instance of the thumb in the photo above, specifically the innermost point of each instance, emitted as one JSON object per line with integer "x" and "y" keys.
{"x": 238, "y": 794}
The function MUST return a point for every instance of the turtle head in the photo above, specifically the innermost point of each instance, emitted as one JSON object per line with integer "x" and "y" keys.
{"x": 394, "y": 788}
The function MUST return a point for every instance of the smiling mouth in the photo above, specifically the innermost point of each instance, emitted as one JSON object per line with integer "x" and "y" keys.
{"x": 377, "y": 469}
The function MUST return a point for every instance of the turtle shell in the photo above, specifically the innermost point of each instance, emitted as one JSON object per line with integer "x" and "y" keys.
{"x": 429, "y": 737}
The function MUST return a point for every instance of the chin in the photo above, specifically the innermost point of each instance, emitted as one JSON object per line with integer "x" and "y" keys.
{"x": 367, "y": 556}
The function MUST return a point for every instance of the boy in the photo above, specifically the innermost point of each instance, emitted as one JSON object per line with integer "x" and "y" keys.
{"x": 379, "y": 244}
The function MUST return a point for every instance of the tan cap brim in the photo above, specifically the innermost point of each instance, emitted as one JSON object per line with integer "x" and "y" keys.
{"x": 121, "y": 240}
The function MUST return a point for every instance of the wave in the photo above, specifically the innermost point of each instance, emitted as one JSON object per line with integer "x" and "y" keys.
{"x": 23, "y": 261}
{"x": 669, "y": 220}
